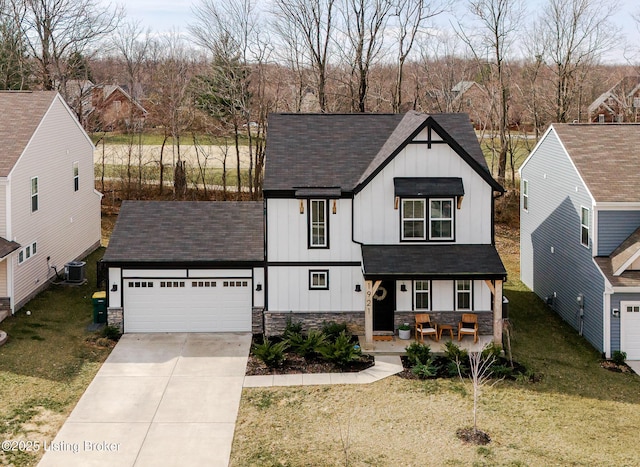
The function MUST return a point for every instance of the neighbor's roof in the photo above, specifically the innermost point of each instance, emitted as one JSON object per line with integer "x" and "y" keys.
{"x": 432, "y": 261}
{"x": 346, "y": 150}
{"x": 627, "y": 252}
{"x": 606, "y": 157}
{"x": 626, "y": 279}
{"x": 20, "y": 115}
{"x": 187, "y": 232}
{"x": 7, "y": 247}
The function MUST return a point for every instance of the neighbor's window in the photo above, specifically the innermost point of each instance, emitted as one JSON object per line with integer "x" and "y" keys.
{"x": 421, "y": 295}
{"x": 27, "y": 252}
{"x": 584, "y": 226}
{"x": 463, "y": 294}
{"x": 441, "y": 219}
{"x": 319, "y": 280}
{"x": 525, "y": 195}
{"x": 76, "y": 177}
{"x": 34, "y": 194}
{"x": 318, "y": 223}
{"x": 413, "y": 219}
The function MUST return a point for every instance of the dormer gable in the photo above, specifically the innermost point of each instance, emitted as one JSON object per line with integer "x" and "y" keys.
{"x": 627, "y": 256}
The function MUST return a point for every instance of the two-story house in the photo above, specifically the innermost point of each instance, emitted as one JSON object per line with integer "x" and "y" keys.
{"x": 49, "y": 209}
{"x": 368, "y": 219}
{"x": 580, "y": 230}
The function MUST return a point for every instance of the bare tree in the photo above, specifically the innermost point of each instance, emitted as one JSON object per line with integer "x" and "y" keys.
{"x": 312, "y": 21}
{"x": 55, "y": 29}
{"x": 14, "y": 66}
{"x": 364, "y": 23}
{"x": 411, "y": 15}
{"x": 574, "y": 33}
{"x": 132, "y": 43}
{"x": 497, "y": 23}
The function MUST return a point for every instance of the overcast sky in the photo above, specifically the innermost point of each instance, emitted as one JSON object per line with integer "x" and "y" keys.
{"x": 164, "y": 15}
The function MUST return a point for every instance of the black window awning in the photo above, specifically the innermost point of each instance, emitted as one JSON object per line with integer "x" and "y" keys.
{"x": 318, "y": 192}
{"x": 428, "y": 187}
{"x": 432, "y": 262}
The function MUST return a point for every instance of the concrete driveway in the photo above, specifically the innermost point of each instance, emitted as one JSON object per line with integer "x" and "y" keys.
{"x": 159, "y": 399}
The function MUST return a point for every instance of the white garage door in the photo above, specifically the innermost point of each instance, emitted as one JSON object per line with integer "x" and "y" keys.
{"x": 187, "y": 305}
{"x": 630, "y": 329}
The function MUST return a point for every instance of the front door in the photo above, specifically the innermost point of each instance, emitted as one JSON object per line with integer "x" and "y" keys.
{"x": 384, "y": 305}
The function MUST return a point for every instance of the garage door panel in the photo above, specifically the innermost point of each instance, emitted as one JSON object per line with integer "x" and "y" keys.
{"x": 187, "y": 306}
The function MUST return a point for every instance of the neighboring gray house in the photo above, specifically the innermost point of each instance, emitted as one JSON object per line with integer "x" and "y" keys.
{"x": 367, "y": 219}
{"x": 580, "y": 230}
{"x": 49, "y": 209}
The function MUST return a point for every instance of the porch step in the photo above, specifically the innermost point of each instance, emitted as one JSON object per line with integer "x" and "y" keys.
{"x": 4, "y": 314}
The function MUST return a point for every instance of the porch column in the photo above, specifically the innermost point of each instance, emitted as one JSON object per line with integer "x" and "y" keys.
{"x": 497, "y": 313}
{"x": 370, "y": 289}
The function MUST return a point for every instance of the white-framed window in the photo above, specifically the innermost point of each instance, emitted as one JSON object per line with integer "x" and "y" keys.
{"x": 422, "y": 295}
{"x": 318, "y": 232}
{"x": 463, "y": 295}
{"x": 525, "y": 195}
{"x": 633, "y": 309}
{"x": 319, "y": 280}
{"x": 76, "y": 176}
{"x": 34, "y": 194}
{"x": 413, "y": 219}
{"x": 584, "y": 226}
{"x": 441, "y": 219}
{"x": 27, "y": 252}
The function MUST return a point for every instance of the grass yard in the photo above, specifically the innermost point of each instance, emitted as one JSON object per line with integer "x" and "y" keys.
{"x": 46, "y": 364}
{"x": 578, "y": 414}
{"x": 155, "y": 138}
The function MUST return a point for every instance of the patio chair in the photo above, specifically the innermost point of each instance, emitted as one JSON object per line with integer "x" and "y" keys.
{"x": 468, "y": 325}
{"x": 424, "y": 326}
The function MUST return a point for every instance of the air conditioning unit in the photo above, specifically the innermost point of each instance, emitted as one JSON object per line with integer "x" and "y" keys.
{"x": 74, "y": 271}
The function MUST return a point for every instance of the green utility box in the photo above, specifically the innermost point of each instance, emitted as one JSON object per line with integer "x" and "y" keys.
{"x": 99, "y": 300}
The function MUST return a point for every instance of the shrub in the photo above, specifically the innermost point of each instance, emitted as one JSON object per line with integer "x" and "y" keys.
{"x": 110, "y": 332}
{"x": 332, "y": 330}
{"x": 307, "y": 346}
{"x": 341, "y": 351}
{"x": 618, "y": 357}
{"x": 269, "y": 353}
{"x": 492, "y": 350}
{"x": 425, "y": 370}
{"x": 501, "y": 371}
{"x": 452, "y": 351}
{"x": 418, "y": 353}
{"x": 404, "y": 327}
{"x": 291, "y": 328}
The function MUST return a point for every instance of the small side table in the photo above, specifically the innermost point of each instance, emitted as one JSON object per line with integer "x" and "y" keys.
{"x": 445, "y": 327}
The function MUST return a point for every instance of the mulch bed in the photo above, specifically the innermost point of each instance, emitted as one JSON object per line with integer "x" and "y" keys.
{"x": 442, "y": 361}
{"x": 294, "y": 364}
{"x": 612, "y": 366}
{"x": 469, "y": 435}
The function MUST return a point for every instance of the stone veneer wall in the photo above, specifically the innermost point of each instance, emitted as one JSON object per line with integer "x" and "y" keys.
{"x": 485, "y": 319}
{"x": 275, "y": 322}
{"x": 115, "y": 318}
{"x": 257, "y": 326}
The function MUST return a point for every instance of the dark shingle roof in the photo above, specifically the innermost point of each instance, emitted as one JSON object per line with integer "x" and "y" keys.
{"x": 437, "y": 261}
{"x": 606, "y": 157}
{"x": 187, "y": 231}
{"x": 7, "y": 247}
{"x": 20, "y": 115}
{"x": 346, "y": 150}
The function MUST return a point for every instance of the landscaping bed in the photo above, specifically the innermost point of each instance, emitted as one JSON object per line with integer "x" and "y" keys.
{"x": 330, "y": 350}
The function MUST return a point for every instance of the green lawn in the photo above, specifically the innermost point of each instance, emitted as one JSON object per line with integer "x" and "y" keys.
{"x": 46, "y": 364}
{"x": 577, "y": 414}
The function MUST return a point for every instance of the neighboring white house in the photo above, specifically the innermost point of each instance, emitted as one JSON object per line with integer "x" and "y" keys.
{"x": 49, "y": 209}
{"x": 367, "y": 219}
{"x": 580, "y": 230}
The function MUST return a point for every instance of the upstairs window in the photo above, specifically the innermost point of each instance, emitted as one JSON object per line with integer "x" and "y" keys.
{"x": 441, "y": 219}
{"x": 413, "y": 219}
{"x": 525, "y": 195}
{"x": 584, "y": 226}
{"x": 318, "y": 235}
{"x": 34, "y": 194}
{"x": 76, "y": 177}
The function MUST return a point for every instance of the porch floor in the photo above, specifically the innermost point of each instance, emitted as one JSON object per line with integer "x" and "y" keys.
{"x": 397, "y": 346}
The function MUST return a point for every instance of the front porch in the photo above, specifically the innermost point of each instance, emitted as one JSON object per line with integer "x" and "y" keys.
{"x": 397, "y": 346}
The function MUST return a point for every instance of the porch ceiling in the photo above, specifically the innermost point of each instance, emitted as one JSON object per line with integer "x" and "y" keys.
{"x": 432, "y": 261}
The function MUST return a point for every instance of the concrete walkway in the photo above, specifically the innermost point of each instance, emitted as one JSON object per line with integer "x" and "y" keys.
{"x": 634, "y": 365}
{"x": 159, "y": 399}
{"x": 385, "y": 365}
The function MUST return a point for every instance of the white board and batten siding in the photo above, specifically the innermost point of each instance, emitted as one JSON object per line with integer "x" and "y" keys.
{"x": 67, "y": 222}
{"x": 288, "y": 234}
{"x": 376, "y": 220}
{"x": 181, "y": 300}
{"x": 442, "y": 296}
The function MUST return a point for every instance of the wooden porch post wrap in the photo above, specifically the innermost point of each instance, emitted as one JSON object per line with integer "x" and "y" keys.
{"x": 370, "y": 289}
{"x": 497, "y": 313}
